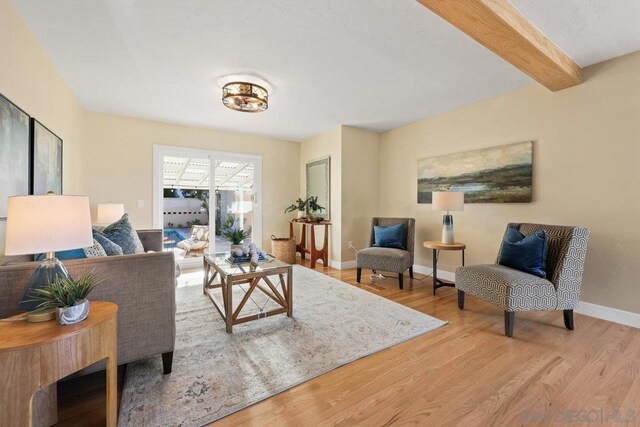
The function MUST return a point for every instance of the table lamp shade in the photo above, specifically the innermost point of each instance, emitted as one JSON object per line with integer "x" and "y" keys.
{"x": 108, "y": 213}
{"x": 447, "y": 201}
{"x": 38, "y": 224}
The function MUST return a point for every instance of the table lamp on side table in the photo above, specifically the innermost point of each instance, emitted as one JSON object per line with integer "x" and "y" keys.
{"x": 447, "y": 201}
{"x": 108, "y": 213}
{"x": 46, "y": 224}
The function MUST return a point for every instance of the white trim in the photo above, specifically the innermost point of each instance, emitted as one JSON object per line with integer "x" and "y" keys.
{"x": 342, "y": 265}
{"x": 442, "y": 274}
{"x": 607, "y": 313}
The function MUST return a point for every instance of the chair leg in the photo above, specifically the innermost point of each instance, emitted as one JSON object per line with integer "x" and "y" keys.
{"x": 358, "y": 275}
{"x": 400, "y": 279}
{"x": 167, "y": 362}
{"x": 509, "y": 320}
{"x": 568, "y": 319}
{"x": 460, "y": 299}
{"x": 411, "y": 271}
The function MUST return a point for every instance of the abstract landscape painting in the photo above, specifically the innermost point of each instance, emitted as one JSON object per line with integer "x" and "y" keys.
{"x": 501, "y": 174}
{"x": 14, "y": 153}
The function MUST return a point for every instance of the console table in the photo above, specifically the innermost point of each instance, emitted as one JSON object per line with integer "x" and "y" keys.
{"x": 34, "y": 356}
{"x": 315, "y": 253}
{"x": 437, "y": 246}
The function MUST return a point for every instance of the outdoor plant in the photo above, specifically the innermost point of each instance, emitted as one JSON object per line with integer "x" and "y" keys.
{"x": 65, "y": 291}
{"x": 236, "y": 235}
{"x": 299, "y": 205}
{"x": 313, "y": 204}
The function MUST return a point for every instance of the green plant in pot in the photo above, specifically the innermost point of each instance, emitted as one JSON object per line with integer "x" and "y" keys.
{"x": 314, "y": 207}
{"x": 300, "y": 206}
{"x": 68, "y": 296}
{"x": 236, "y": 236}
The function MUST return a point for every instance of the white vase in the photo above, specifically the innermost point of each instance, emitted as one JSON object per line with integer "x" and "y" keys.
{"x": 300, "y": 214}
{"x": 74, "y": 314}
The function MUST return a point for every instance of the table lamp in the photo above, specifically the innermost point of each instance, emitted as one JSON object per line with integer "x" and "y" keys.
{"x": 46, "y": 224}
{"x": 447, "y": 201}
{"x": 108, "y": 213}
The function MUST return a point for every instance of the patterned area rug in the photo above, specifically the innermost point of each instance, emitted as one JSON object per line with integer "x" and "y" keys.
{"x": 216, "y": 374}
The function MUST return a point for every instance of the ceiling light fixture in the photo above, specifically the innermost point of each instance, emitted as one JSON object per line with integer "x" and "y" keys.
{"x": 246, "y": 97}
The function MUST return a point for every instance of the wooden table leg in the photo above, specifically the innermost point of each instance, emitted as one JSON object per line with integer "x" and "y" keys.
{"x": 228, "y": 303}
{"x": 20, "y": 380}
{"x": 112, "y": 375}
{"x": 206, "y": 276}
{"x": 300, "y": 247}
{"x": 314, "y": 251}
{"x": 325, "y": 246}
{"x": 289, "y": 295}
{"x": 435, "y": 270}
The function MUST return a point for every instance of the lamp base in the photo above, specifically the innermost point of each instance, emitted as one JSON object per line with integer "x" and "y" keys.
{"x": 46, "y": 273}
{"x": 37, "y": 316}
{"x": 447, "y": 229}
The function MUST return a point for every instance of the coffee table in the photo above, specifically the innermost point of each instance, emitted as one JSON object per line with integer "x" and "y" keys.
{"x": 235, "y": 274}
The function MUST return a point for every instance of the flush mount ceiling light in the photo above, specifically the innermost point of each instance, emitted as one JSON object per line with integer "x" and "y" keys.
{"x": 246, "y": 97}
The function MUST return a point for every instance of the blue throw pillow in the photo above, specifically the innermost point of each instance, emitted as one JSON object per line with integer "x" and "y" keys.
{"x": 525, "y": 253}
{"x": 64, "y": 255}
{"x": 122, "y": 234}
{"x": 110, "y": 247}
{"x": 388, "y": 237}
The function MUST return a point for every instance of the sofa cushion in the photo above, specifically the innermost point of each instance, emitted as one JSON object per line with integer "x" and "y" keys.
{"x": 388, "y": 237}
{"x": 525, "y": 253}
{"x": 122, "y": 234}
{"x": 509, "y": 289}
{"x": 384, "y": 259}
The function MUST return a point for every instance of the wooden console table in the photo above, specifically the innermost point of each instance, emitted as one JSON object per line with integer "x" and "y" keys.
{"x": 34, "y": 356}
{"x": 315, "y": 253}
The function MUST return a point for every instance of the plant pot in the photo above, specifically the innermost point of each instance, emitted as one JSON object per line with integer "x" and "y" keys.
{"x": 239, "y": 246}
{"x": 300, "y": 214}
{"x": 74, "y": 314}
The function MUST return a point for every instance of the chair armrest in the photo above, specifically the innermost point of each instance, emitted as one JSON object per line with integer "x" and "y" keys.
{"x": 152, "y": 240}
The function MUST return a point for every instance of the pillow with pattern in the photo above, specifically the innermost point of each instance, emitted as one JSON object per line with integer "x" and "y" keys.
{"x": 94, "y": 251}
{"x": 122, "y": 234}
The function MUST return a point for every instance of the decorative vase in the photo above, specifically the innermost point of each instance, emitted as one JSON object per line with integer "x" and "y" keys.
{"x": 238, "y": 246}
{"x": 300, "y": 214}
{"x": 74, "y": 314}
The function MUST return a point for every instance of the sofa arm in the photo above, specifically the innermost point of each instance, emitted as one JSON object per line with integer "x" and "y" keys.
{"x": 152, "y": 240}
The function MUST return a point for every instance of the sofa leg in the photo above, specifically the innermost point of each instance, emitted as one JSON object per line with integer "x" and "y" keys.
{"x": 358, "y": 275}
{"x": 509, "y": 320}
{"x": 411, "y": 271}
{"x": 568, "y": 319}
{"x": 167, "y": 362}
{"x": 400, "y": 275}
{"x": 460, "y": 299}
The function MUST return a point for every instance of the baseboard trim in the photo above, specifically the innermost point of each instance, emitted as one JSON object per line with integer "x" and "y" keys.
{"x": 342, "y": 265}
{"x": 442, "y": 274}
{"x": 607, "y": 313}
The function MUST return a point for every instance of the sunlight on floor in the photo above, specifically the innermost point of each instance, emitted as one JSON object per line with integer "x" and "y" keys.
{"x": 192, "y": 277}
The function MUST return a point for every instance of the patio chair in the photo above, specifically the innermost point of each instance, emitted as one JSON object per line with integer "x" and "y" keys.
{"x": 197, "y": 242}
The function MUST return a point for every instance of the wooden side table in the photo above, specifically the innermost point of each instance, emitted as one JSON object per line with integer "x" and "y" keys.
{"x": 316, "y": 254}
{"x": 436, "y": 246}
{"x": 34, "y": 356}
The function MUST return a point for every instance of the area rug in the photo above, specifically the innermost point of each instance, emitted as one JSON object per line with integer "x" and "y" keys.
{"x": 216, "y": 374}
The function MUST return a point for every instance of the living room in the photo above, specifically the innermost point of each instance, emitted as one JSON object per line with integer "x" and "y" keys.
{"x": 386, "y": 95}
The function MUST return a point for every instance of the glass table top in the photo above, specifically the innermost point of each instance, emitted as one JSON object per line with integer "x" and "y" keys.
{"x": 223, "y": 261}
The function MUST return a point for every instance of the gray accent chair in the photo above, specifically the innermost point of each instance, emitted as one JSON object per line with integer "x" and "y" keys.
{"x": 513, "y": 290}
{"x": 142, "y": 285}
{"x": 389, "y": 259}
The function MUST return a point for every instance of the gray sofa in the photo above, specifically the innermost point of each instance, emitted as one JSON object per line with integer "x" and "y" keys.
{"x": 143, "y": 286}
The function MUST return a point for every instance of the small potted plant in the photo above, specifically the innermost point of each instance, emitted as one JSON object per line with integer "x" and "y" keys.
{"x": 314, "y": 207}
{"x": 236, "y": 236}
{"x": 68, "y": 297}
{"x": 300, "y": 206}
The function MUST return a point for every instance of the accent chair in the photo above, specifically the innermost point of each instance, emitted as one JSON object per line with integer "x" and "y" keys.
{"x": 513, "y": 290}
{"x": 389, "y": 259}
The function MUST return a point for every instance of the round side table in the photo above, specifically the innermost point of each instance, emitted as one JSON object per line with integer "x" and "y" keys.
{"x": 436, "y": 246}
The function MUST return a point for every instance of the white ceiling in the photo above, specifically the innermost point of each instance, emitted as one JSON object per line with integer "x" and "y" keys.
{"x": 375, "y": 64}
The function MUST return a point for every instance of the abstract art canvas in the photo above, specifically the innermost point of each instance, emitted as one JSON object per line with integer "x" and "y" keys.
{"x": 502, "y": 174}
{"x": 14, "y": 153}
{"x": 47, "y": 160}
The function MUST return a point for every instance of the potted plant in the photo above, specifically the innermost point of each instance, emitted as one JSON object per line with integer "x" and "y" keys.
{"x": 300, "y": 206}
{"x": 236, "y": 236}
{"x": 68, "y": 297}
{"x": 314, "y": 207}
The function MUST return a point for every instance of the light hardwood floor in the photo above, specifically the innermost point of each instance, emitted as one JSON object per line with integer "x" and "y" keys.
{"x": 466, "y": 373}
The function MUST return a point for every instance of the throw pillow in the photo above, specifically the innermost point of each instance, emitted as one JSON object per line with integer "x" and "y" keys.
{"x": 525, "y": 253}
{"x": 64, "y": 255}
{"x": 122, "y": 234}
{"x": 109, "y": 247}
{"x": 94, "y": 251}
{"x": 388, "y": 237}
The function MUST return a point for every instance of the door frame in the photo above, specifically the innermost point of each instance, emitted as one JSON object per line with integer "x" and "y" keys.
{"x": 160, "y": 151}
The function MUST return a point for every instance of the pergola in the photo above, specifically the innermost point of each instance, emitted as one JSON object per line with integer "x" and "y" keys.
{"x": 194, "y": 174}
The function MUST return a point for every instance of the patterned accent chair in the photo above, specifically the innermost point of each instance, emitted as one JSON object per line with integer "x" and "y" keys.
{"x": 513, "y": 290}
{"x": 389, "y": 259}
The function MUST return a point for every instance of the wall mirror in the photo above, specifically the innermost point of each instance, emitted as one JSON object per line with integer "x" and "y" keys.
{"x": 319, "y": 184}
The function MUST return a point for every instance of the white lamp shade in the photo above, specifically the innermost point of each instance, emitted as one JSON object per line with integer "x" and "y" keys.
{"x": 109, "y": 213}
{"x": 38, "y": 224}
{"x": 447, "y": 201}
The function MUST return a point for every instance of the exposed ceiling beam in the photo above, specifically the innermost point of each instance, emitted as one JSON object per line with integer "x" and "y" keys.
{"x": 501, "y": 28}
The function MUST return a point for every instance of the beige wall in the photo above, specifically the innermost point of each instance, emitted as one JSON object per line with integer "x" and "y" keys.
{"x": 360, "y": 190}
{"x": 328, "y": 143}
{"x": 118, "y": 164}
{"x": 30, "y": 80}
{"x": 586, "y": 163}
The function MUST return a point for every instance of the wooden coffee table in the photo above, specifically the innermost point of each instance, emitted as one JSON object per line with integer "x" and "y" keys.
{"x": 233, "y": 274}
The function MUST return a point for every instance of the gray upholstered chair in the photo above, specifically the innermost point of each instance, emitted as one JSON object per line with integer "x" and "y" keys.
{"x": 389, "y": 259}
{"x": 513, "y": 290}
